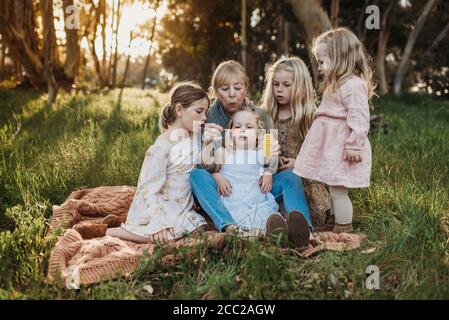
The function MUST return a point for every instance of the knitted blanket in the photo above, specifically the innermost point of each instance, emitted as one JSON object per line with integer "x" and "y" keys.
{"x": 75, "y": 261}
{"x": 93, "y": 205}
{"x": 333, "y": 241}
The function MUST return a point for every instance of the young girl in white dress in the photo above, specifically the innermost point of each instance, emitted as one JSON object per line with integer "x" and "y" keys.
{"x": 242, "y": 165}
{"x": 162, "y": 206}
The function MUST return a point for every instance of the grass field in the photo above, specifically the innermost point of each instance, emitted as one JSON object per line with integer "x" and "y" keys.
{"x": 88, "y": 141}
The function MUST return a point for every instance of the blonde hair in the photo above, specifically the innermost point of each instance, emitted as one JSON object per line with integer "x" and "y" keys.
{"x": 229, "y": 144}
{"x": 225, "y": 71}
{"x": 184, "y": 93}
{"x": 302, "y": 104}
{"x": 348, "y": 57}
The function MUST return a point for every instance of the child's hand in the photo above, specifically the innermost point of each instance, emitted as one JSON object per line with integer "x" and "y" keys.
{"x": 266, "y": 182}
{"x": 286, "y": 163}
{"x": 212, "y": 132}
{"x": 352, "y": 155}
{"x": 224, "y": 187}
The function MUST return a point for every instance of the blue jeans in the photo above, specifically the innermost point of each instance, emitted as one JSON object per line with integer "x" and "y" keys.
{"x": 286, "y": 186}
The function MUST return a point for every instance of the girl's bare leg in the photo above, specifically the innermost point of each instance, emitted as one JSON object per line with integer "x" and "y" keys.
{"x": 126, "y": 235}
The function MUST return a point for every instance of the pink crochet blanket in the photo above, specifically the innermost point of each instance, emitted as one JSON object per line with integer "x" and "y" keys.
{"x": 75, "y": 261}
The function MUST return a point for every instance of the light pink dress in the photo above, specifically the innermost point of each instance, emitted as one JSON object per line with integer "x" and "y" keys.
{"x": 342, "y": 122}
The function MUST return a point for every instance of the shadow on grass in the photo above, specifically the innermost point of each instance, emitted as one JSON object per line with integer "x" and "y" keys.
{"x": 14, "y": 100}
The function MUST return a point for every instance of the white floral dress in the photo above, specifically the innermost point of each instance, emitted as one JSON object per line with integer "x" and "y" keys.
{"x": 163, "y": 201}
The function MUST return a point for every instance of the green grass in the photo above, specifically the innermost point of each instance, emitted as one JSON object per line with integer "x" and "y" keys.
{"x": 88, "y": 141}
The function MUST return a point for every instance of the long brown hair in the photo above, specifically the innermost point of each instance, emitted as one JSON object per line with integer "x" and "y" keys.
{"x": 184, "y": 94}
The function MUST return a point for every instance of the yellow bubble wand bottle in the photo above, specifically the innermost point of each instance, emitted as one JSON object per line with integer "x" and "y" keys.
{"x": 267, "y": 142}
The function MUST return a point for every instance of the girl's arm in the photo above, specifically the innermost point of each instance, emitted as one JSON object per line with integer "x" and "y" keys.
{"x": 355, "y": 99}
{"x": 211, "y": 143}
{"x": 223, "y": 185}
{"x": 207, "y": 155}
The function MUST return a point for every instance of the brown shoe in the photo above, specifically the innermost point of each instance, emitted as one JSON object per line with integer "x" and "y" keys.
{"x": 298, "y": 230}
{"x": 276, "y": 226}
{"x": 91, "y": 230}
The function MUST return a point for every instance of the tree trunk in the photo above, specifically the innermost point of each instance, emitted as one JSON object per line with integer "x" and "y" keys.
{"x": 2, "y": 60}
{"x": 117, "y": 26}
{"x": 314, "y": 20}
{"x": 437, "y": 40}
{"x": 100, "y": 19}
{"x": 125, "y": 73}
{"x": 243, "y": 32}
{"x": 49, "y": 57}
{"x": 335, "y": 8}
{"x": 72, "y": 47}
{"x": 92, "y": 30}
{"x": 17, "y": 27}
{"x": 102, "y": 8}
{"x": 147, "y": 62}
{"x": 384, "y": 33}
{"x": 17, "y": 71}
{"x": 111, "y": 53}
{"x": 361, "y": 30}
{"x": 400, "y": 74}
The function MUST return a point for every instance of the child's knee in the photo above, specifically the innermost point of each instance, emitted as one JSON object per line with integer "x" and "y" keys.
{"x": 198, "y": 176}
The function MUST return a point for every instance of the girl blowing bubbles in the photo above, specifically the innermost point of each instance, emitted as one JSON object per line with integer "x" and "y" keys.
{"x": 336, "y": 149}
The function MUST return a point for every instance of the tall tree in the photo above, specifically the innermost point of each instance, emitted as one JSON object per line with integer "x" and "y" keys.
{"x": 335, "y": 11}
{"x": 125, "y": 73}
{"x": 314, "y": 20}
{"x": 73, "y": 42}
{"x": 244, "y": 41}
{"x": 117, "y": 26}
{"x": 400, "y": 74}
{"x": 91, "y": 36}
{"x": 3, "y": 56}
{"x": 384, "y": 34}
{"x": 102, "y": 8}
{"x": 361, "y": 30}
{"x": 49, "y": 45}
{"x": 18, "y": 29}
{"x": 111, "y": 51}
{"x": 153, "y": 30}
{"x": 40, "y": 63}
{"x": 443, "y": 33}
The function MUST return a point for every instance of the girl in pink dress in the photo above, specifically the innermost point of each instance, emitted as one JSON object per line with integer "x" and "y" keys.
{"x": 336, "y": 149}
